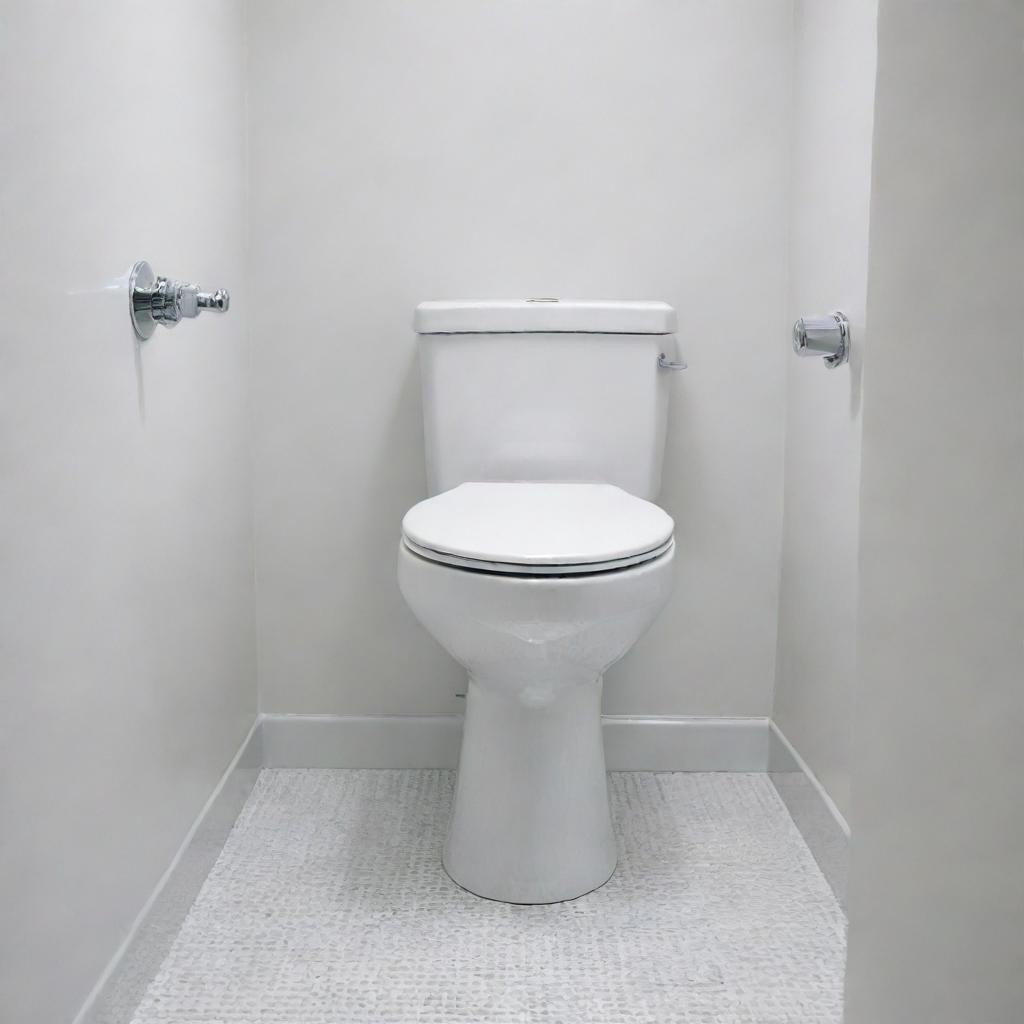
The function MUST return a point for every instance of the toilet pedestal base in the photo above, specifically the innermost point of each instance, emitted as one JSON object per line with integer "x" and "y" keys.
{"x": 531, "y": 822}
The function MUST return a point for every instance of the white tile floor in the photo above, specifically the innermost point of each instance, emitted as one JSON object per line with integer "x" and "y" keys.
{"x": 328, "y": 905}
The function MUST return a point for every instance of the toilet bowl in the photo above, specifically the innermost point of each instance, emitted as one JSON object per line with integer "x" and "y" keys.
{"x": 538, "y": 561}
{"x": 536, "y": 589}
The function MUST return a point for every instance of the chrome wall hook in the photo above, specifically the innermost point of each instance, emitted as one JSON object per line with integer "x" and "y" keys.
{"x": 827, "y": 336}
{"x": 159, "y": 300}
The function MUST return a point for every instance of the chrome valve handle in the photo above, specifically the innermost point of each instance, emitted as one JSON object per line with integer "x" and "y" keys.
{"x": 827, "y": 336}
{"x": 160, "y": 300}
{"x": 218, "y": 301}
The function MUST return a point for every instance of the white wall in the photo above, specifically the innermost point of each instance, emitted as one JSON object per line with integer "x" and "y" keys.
{"x": 831, "y": 189}
{"x": 936, "y": 888}
{"x": 125, "y": 547}
{"x": 405, "y": 151}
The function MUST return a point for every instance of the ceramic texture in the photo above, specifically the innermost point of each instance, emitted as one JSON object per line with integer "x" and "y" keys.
{"x": 329, "y": 904}
{"x": 531, "y": 821}
{"x": 556, "y": 407}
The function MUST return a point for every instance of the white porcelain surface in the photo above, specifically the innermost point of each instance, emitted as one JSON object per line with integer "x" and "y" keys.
{"x": 556, "y": 406}
{"x": 530, "y": 822}
{"x": 508, "y": 420}
{"x": 534, "y": 524}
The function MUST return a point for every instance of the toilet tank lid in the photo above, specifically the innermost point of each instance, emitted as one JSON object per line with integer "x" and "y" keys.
{"x": 543, "y": 316}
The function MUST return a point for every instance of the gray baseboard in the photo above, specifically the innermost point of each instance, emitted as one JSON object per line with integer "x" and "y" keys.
{"x": 679, "y": 744}
{"x": 361, "y": 741}
{"x": 120, "y": 988}
{"x": 632, "y": 743}
{"x": 819, "y": 821}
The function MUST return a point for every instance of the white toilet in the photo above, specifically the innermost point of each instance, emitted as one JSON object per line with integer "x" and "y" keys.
{"x": 537, "y": 564}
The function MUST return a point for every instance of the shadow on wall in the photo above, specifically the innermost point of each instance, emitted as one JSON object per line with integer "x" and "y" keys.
{"x": 91, "y": 303}
{"x": 685, "y": 467}
{"x": 394, "y": 492}
{"x": 856, "y": 368}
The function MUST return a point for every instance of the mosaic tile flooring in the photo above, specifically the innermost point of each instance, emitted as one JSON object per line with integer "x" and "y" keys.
{"x": 328, "y": 905}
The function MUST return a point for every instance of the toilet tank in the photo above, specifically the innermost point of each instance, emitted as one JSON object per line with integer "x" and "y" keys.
{"x": 545, "y": 389}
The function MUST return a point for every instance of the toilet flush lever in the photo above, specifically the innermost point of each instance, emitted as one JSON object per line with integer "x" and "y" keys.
{"x": 160, "y": 300}
{"x": 666, "y": 364}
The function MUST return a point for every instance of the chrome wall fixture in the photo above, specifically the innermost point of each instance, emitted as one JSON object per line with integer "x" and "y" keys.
{"x": 666, "y": 364}
{"x": 827, "y": 336}
{"x": 159, "y": 300}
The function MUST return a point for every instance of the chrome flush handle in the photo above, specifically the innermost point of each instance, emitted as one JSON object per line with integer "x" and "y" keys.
{"x": 666, "y": 364}
{"x": 160, "y": 300}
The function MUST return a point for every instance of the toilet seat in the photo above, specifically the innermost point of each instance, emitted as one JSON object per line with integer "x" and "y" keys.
{"x": 537, "y": 528}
